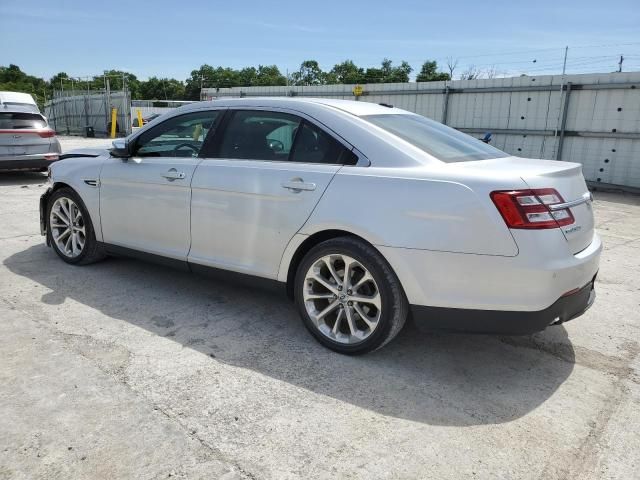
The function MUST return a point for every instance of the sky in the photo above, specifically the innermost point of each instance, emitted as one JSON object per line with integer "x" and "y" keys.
{"x": 170, "y": 38}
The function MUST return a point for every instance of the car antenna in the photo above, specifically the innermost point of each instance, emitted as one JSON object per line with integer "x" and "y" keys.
{"x": 388, "y": 105}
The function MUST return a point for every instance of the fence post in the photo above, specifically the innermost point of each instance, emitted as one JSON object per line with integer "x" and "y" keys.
{"x": 445, "y": 108}
{"x": 563, "y": 123}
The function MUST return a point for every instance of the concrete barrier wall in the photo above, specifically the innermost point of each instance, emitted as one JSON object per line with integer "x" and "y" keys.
{"x": 591, "y": 119}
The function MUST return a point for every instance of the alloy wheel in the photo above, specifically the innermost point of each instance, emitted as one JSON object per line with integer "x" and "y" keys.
{"x": 67, "y": 227}
{"x": 342, "y": 298}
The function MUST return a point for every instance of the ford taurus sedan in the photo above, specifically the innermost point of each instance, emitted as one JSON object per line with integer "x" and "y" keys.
{"x": 364, "y": 214}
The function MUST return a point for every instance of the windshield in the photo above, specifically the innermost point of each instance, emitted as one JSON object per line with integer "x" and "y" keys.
{"x": 15, "y": 120}
{"x": 444, "y": 143}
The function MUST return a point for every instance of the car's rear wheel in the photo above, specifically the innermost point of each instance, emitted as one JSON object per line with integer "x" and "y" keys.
{"x": 70, "y": 230}
{"x": 349, "y": 297}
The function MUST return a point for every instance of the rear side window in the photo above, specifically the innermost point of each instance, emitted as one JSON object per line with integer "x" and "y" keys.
{"x": 259, "y": 135}
{"x": 17, "y": 120}
{"x": 278, "y": 136}
{"x": 316, "y": 146}
{"x": 444, "y": 143}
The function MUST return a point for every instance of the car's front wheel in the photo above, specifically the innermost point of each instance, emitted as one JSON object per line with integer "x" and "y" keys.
{"x": 69, "y": 229}
{"x": 349, "y": 297}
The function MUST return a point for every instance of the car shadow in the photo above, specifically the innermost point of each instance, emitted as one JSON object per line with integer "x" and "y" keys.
{"x": 440, "y": 379}
{"x": 22, "y": 178}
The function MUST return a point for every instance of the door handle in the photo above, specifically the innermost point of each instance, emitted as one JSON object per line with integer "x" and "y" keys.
{"x": 296, "y": 185}
{"x": 173, "y": 174}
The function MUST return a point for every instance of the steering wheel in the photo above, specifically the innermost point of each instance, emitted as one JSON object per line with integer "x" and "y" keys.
{"x": 195, "y": 149}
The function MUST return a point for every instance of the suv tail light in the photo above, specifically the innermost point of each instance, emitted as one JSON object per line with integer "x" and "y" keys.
{"x": 530, "y": 208}
{"x": 46, "y": 133}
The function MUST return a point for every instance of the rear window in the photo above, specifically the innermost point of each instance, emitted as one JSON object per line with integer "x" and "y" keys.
{"x": 444, "y": 143}
{"x": 17, "y": 120}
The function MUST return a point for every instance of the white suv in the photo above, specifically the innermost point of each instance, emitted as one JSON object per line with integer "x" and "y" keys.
{"x": 26, "y": 141}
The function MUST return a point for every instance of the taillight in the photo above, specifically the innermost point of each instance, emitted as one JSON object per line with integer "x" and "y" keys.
{"x": 46, "y": 133}
{"x": 530, "y": 208}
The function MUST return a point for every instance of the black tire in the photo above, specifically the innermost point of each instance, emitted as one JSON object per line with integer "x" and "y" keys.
{"x": 92, "y": 252}
{"x": 394, "y": 304}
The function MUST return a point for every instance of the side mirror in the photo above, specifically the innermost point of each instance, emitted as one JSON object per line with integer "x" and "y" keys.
{"x": 120, "y": 148}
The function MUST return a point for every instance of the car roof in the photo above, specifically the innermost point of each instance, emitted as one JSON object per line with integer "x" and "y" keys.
{"x": 349, "y": 106}
{"x": 17, "y": 102}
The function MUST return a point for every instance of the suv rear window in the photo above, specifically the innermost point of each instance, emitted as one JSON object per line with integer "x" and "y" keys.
{"x": 444, "y": 143}
{"x": 17, "y": 120}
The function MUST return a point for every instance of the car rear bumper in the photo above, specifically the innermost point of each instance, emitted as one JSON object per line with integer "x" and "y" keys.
{"x": 27, "y": 162}
{"x": 503, "y": 322}
{"x": 529, "y": 282}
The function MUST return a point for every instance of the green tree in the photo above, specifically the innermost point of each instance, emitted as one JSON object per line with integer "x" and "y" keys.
{"x": 429, "y": 73}
{"x": 387, "y": 73}
{"x": 373, "y": 75}
{"x": 161, "y": 89}
{"x": 13, "y": 79}
{"x": 248, "y": 76}
{"x": 269, "y": 75}
{"x": 116, "y": 80}
{"x": 347, "y": 73}
{"x": 391, "y": 74}
{"x": 309, "y": 73}
{"x": 209, "y": 77}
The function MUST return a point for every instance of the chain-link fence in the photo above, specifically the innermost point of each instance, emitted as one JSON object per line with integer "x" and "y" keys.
{"x": 77, "y": 112}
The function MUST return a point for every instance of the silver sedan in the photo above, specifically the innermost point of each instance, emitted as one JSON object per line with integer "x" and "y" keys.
{"x": 362, "y": 213}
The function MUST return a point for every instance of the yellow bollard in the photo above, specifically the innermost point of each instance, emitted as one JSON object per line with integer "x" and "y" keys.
{"x": 114, "y": 117}
{"x": 197, "y": 132}
{"x": 140, "y": 118}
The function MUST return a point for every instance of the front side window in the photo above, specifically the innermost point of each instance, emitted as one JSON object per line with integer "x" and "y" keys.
{"x": 181, "y": 136}
{"x": 444, "y": 143}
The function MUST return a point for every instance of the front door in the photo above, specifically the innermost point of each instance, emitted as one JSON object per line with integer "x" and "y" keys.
{"x": 269, "y": 172}
{"x": 145, "y": 199}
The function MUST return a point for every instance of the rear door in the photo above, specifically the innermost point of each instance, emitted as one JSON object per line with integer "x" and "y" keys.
{"x": 268, "y": 172}
{"x": 145, "y": 199}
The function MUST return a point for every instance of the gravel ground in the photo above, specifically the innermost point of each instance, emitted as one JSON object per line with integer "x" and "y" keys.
{"x": 129, "y": 370}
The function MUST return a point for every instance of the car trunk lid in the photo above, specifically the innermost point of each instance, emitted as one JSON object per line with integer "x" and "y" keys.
{"x": 565, "y": 177}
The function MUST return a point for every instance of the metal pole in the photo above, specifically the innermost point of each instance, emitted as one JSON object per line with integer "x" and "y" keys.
{"x": 564, "y": 70}
{"x": 563, "y": 125}
{"x": 74, "y": 104}
{"x": 445, "y": 108}
{"x": 564, "y": 64}
{"x": 64, "y": 106}
{"x": 107, "y": 101}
